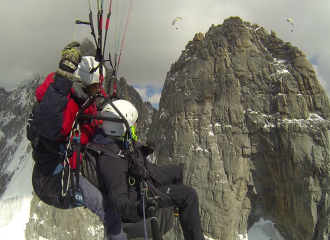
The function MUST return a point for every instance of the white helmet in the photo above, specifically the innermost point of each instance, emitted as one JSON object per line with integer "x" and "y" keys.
{"x": 82, "y": 73}
{"x": 114, "y": 128}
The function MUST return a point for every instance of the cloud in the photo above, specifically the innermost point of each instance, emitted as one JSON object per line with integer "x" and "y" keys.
{"x": 39, "y": 32}
{"x": 154, "y": 99}
{"x": 149, "y": 93}
{"x": 322, "y": 79}
{"x": 142, "y": 92}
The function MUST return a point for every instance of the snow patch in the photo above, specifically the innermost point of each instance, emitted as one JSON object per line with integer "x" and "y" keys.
{"x": 41, "y": 238}
{"x": 6, "y": 119}
{"x": 199, "y": 149}
{"x": 207, "y": 238}
{"x": 20, "y": 154}
{"x": 11, "y": 142}
{"x": 315, "y": 117}
{"x": 242, "y": 237}
{"x": 173, "y": 77}
{"x": 283, "y": 71}
{"x": 1, "y": 135}
{"x": 270, "y": 119}
{"x": 93, "y": 230}
{"x": 163, "y": 114}
{"x": 15, "y": 201}
{"x": 279, "y": 61}
{"x": 264, "y": 230}
{"x": 269, "y": 125}
{"x": 23, "y": 97}
{"x": 35, "y": 217}
{"x": 25, "y": 81}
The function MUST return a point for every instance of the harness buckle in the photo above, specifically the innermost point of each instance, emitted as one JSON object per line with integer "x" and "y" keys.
{"x": 121, "y": 153}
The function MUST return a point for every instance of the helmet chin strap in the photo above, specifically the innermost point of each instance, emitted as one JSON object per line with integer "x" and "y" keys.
{"x": 122, "y": 137}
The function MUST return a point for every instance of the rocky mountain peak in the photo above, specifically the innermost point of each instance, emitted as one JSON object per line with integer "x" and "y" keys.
{"x": 244, "y": 114}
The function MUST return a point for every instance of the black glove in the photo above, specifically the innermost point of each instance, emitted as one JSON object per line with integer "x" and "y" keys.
{"x": 148, "y": 148}
{"x": 71, "y": 57}
{"x": 77, "y": 93}
{"x": 147, "y": 203}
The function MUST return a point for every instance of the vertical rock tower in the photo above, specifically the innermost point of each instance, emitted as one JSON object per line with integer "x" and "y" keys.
{"x": 243, "y": 112}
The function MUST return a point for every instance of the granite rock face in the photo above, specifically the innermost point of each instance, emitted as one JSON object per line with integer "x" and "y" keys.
{"x": 243, "y": 113}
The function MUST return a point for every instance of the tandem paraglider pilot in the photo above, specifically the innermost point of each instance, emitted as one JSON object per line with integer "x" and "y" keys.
{"x": 54, "y": 179}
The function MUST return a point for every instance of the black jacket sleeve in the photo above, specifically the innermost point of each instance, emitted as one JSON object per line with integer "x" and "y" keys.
{"x": 49, "y": 113}
{"x": 114, "y": 174}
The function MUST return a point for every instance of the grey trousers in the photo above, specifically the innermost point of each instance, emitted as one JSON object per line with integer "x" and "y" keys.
{"x": 99, "y": 204}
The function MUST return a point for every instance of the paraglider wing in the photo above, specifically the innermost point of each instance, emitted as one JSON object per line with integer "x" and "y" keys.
{"x": 290, "y": 20}
{"x": 176, "y": 19}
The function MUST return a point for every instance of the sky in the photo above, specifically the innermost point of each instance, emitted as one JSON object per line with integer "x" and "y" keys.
{"x": 33, "y": 34}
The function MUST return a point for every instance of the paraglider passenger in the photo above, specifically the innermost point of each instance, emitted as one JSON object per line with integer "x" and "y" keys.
{"x": 124, "y": 188}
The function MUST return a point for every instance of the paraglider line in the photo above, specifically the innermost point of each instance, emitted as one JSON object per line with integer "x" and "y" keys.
{"x": 75, "y": 31}
{"x": 127, "y": 20}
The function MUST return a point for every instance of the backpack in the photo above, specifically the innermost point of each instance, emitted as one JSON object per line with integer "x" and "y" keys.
{"x": 90, "y": 162}
{"x": 138, "y": 169}
{"x": 89, "y": 167}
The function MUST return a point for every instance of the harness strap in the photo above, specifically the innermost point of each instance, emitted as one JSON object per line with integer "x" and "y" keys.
{"x": 111, "y": 150}
{"x": 78, "y": 147}
{"x": 73, "y": 188}
{"x": 58, "y": 169}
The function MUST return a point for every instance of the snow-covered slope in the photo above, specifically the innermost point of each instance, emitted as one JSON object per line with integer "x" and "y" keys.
{"x": 15, "y": 202}
{"x": 15, "y": 158}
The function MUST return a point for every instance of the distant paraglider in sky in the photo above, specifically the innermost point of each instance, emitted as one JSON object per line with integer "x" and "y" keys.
{"x": 290, "y": 20}
{"x": 175, "y": 20}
